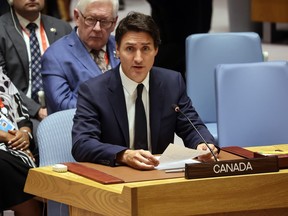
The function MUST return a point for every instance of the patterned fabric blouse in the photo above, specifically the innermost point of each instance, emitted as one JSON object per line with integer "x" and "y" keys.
{"x": 15, "y": 112}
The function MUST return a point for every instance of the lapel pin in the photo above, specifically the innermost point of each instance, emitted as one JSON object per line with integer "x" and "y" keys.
{"x": 115, "y": 54}
{"x": 53, "y": 29}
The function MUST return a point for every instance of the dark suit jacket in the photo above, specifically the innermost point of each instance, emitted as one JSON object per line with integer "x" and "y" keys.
{"x": 100, "y": 129}
{"x": 65, "y": 65}
{"x": 14, "y": 52}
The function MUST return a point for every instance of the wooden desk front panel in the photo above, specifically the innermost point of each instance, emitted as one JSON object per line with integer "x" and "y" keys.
{"x": 269, "y": 10}
{"x": 211, "y": 196}
{"x": 78, "y": 191}
{"x": 214, "y": 195}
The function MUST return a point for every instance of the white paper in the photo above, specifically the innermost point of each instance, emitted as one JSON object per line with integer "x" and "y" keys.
{"x": 176, "y": 156}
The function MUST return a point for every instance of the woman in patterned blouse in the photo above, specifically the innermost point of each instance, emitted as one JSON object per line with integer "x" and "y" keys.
{"x": 15, "y": 154}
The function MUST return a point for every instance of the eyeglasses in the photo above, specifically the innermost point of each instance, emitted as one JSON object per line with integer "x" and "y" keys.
{"x": 92, "y": 21}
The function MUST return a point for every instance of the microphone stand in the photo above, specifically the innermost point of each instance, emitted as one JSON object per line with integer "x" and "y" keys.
{"x": 178, "y": 110}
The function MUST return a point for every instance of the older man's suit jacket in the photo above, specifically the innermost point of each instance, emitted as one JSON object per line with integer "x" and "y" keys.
{"x": 65, "y": 65}
{"x": 14, "y": 52}
{"x": 100, "y": 129}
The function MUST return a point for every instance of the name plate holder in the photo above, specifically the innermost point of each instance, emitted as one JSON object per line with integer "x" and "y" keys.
{"x": 232, "y": 167}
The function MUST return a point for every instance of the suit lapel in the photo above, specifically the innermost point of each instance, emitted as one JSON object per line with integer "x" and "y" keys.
{"x": 117, "y": 101}
{"x": 19, "y": 43}
{"x": 156, "y": 94}
{"x": 112, "y": 52}
{"x": 49, "y": 28}
{"x": 81, "y": 53}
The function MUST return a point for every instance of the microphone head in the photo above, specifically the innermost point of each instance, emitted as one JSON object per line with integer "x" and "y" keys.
{"x": 41, "y": 98}
{"x": 175, "y": 107}
{"x": 40, "y": 93}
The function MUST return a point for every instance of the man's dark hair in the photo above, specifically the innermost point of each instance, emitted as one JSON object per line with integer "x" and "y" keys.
{"x": 138, "y": 22}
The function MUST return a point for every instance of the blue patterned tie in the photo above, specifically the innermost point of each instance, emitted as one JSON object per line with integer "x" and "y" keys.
{"x": 35, "y": 62}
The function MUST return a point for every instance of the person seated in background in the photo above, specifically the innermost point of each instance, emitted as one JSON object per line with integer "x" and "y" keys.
{"x": 107, "y": 128}
{"x": 86, "y": 52}
{"x": 15, "y": 156}
{"x": 18, "y": 29}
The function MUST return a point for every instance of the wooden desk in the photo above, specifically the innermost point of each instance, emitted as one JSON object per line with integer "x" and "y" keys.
{"x": 257, "y": 194}
{"x": 270, "y": 148}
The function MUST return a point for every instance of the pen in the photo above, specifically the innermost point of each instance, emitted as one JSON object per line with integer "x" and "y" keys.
{"x": 174, "y": 170}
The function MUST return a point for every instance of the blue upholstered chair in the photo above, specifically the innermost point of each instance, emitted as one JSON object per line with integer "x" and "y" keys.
{"x": 252, "y": 104}
{"x": 203, "y": 53}
{"x": 55, "y": 142}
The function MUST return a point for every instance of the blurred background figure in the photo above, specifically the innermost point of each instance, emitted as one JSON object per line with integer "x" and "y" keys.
{"x": 59, "y": 9}
{"x": 64, "y": 9}
{"x": 51, "y": 8}
{"x": 176, "y": 21}
{"x": 4, "y": 7}
{"x": 121, "y": 4}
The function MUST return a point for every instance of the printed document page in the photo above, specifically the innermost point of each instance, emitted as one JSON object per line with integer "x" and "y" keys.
{"x": 176, "y": 156}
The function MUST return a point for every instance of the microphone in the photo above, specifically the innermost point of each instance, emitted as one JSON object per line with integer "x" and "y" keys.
{"x": 177, "y": 109}
{"x": 41, "y": 98}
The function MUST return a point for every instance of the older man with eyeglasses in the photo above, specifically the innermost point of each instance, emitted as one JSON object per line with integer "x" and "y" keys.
{"x": 85, "y": 53}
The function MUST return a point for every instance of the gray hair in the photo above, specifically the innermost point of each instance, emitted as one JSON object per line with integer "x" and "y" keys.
{"x": 82, "y": 4}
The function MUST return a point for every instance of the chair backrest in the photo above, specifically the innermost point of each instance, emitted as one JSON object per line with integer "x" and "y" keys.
{"x": 54, "y": 136}
{"x": 252, "y": 104}
{"x": 204, "y": 52}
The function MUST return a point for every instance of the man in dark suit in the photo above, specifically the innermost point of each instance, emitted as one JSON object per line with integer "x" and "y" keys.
{"x": 14, "y": 45}
{"x": 103, "y": 130}
{"x": 62, "y": 74}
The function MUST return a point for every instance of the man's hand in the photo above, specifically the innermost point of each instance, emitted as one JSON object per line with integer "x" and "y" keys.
{"x": 42, "y": 113}
{"x": 208, "y": 156}
{"x": 138, "y": 159}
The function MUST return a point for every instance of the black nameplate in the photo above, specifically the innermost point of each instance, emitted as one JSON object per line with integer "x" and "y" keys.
{"x": 232, "y": 167}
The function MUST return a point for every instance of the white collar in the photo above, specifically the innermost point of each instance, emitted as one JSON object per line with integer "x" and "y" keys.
{"x": 131, "y": 85}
